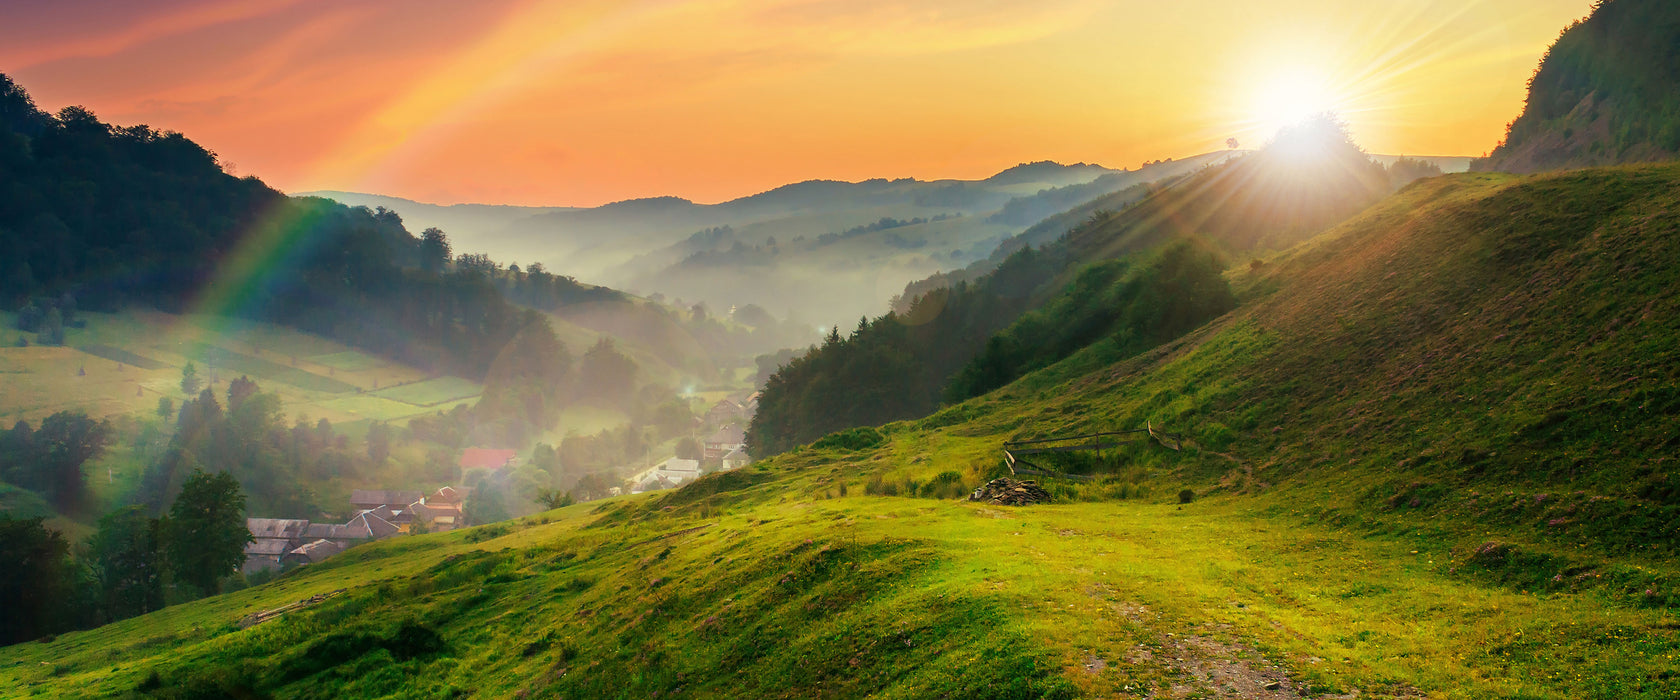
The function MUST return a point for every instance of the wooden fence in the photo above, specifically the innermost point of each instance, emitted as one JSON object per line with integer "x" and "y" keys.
{"x": 1015, "y": 449}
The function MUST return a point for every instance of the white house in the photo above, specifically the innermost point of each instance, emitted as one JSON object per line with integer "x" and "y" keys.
{"x": 679, "y": 471}
{"x": 736, "y": 458}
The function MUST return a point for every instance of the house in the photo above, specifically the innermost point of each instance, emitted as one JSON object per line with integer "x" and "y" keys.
{"x": 654, "y": 481}
{"x": 481, "y": 458}
{"x": 272, "y": 538}
{"x": 735, "y": 458}
{"x": 365, "y": 526}
{"x": 263, "y": 555}
{"x": 312, "y": 553}
{"x": 394, "y": 500}
{"x": 440, "y": 511}
{"x": 724, "y": 411}
{"x": 437, "y": 517}
{"x": 727, "y": 439}
{"x": 678, "y": 471}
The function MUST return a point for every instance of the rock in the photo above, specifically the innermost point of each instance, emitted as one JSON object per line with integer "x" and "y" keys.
{"x": 1274, "y": 685}
{"x": 1009, "y": 492}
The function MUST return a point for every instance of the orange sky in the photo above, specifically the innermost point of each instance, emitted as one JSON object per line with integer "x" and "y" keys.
{"x": 578, "y": 102}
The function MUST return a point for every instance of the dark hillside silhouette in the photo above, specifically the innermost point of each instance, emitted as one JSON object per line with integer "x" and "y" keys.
{"x": 98, "y": 217}
{"x": 1607, "y": 92}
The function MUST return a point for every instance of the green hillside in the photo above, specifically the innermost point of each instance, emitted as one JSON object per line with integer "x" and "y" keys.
{"x": 1429, "y": 456}
{"x": 1607, "y": 92}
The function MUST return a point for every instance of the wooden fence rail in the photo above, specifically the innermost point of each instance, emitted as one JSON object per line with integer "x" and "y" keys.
{"x": 1012, "y": 451}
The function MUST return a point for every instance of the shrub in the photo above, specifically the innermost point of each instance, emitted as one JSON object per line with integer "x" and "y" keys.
{"x": 851, "y": 440}
{"x": 1186, "y": 496}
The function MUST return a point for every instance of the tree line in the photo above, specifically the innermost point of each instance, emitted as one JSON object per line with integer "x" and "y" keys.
{"x": 98, "y": 217}
{"x": 133, "y": 564}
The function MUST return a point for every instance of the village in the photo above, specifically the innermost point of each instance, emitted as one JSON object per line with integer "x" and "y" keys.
{"x": 282, "y": 544}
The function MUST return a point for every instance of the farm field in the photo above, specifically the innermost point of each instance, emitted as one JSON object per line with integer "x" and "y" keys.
{"x": 122, "y": 364}
{"x": 431, "y": 392}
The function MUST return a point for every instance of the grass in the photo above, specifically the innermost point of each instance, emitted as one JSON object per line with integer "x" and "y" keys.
{"x": 349, "y": 361}
{"x": 100, "y": 372}
{"x": 1431, "y": 456}
{"x": 214, "y": 358}
{"x": 897, "y": 597}
{"x": 432, "y": 392}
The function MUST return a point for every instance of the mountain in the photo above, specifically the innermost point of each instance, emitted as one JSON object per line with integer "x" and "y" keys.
{"x": 1607, "y": 92}
{"x": 903, "y": 364}
{"x": 460, "y": 221}
{"x": 1427, "y": 454}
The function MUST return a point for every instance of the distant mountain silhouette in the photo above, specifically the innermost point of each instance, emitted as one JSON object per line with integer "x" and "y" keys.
{"x": 1607, "y": 92}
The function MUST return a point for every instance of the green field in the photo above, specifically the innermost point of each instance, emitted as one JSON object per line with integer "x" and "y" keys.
{"x": 349, "y": 361}
{"x": 121, "y": 355}
{"x": 233, "y": 363}
{"x": 102, "y": 371}
{"x": 432, "y": 392}
{"x": 371, "y": 407}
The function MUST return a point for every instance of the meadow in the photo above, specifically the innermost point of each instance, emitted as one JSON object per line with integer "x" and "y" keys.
{"x": 899, "y": 597}
{"x": 121, "y": 364}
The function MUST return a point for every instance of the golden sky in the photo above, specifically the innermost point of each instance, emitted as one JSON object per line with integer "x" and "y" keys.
{"x": 580, "y": 102}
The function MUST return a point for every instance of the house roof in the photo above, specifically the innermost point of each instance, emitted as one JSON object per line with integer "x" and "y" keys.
{"x": 481, "y": 458}
{"x": 375, "y": 526}
{"x": 267, "y": 547}
{"x": 315, "y": 551}
{"x": 727, "y": 435}
{"x": 679, "y": 465}
{"x": 282, "y": 528}
{"x": 447, "y": 494}
{"x": 736, "y": 453}
{"x": 396, "y": 499}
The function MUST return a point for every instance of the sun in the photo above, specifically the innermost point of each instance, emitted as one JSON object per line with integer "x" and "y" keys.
{"x": 1291, "y": 97}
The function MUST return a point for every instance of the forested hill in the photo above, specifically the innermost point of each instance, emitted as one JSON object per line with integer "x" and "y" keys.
{"x": 95, "y": 216}
{"x": 1138, "y": 276}
{"x": 1607, "y": 92}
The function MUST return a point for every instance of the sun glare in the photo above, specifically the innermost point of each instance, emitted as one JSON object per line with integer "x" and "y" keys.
{"x": 1290, "y": 98}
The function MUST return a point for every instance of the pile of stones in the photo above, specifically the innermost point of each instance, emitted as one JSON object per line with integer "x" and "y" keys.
{"x": 1009, "y": 492}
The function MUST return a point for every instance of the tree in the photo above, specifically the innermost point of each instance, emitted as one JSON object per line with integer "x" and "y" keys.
{"x": 434, "y": 249}
{"x": 379, "y": 443}
{"x": 592, "y": 486}
{"x": 126, "y": 556}
{"x": 690, "y": 448}
{"x": 606, "y": 374}
{"x": 66, "y": 441}
{"x": 206, "y": 534}
{"x": 36, "y": 583}
{"x": 238, "y": 390}
{"x": 487, "y": 503}
{"x": 189, "y": 379}
{"x": 52, "y": 328}
{"x": 554, "y": 498}
{"x": 166, "y": 407}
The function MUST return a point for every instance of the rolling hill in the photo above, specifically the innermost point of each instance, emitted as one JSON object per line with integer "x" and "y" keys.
{"x": 1428, "y": 455}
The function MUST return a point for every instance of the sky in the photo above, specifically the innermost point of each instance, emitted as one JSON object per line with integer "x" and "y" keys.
{"x": 579, "y": 102}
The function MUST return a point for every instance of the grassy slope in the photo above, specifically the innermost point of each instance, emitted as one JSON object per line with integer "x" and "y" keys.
{"x": 1433, "y": 448}
{"x": 313, "y": 376}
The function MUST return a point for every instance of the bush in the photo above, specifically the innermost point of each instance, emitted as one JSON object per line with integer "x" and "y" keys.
{"x": 945, "y": 485}
{"x": 1186, "y": 496}
{"x": 851, "y": 440}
